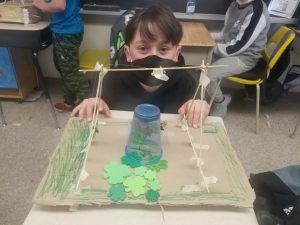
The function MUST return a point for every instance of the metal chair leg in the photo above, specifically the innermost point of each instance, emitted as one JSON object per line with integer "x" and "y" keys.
{"x": 257, "y": 107}
{"x": 44, "y": 86}
{"x": 2, "y": 116}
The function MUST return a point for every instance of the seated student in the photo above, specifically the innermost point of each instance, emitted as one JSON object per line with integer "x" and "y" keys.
{"x": 151, "y": 40}
{"x": 239, "y": 46}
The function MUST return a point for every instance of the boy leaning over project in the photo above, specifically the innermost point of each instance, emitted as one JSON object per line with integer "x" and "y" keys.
{"x": 152, "y": 40}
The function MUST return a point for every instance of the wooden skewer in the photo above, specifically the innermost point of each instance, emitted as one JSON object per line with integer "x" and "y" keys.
{"x": 214, "y": 94}
{"x": 94, "y": 121}
{"x": 166, "y": 68}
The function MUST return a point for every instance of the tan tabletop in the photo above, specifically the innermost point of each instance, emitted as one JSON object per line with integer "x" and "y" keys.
{"x": 28, "y": 27}
{"x": 196, "y": 34}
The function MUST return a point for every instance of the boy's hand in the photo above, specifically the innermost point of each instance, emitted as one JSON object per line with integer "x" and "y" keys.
{"x": 85, "y": 109}
{"x": 192, "y": 110}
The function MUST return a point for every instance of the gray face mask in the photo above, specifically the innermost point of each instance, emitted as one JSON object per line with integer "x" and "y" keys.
{"x": 152, "y": 61}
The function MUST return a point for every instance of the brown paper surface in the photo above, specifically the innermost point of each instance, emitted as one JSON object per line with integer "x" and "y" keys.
{"x": 61, "y": 184}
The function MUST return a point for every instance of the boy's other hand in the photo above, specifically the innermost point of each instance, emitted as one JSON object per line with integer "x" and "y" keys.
{"x": 192, "y": 110}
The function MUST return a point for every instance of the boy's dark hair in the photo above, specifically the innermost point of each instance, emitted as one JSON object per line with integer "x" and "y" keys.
{"x": 160, "y": 16}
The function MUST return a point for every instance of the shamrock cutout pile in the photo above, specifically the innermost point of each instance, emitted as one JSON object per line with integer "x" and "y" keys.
{"x": 135, "y": 182}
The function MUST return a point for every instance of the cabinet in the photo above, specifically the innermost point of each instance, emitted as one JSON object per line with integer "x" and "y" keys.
{"x": 17, "y": 73}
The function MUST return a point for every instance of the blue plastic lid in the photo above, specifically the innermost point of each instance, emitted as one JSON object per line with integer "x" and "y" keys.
{"x": 147, "y": 112}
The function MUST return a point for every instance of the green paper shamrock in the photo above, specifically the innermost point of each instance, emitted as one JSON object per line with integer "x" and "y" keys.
{"x": 135, "y": 185}
{"x": 152, "y": 196}
{"x": 117, "y": 193}
{"x": 162, "y": 164}
{"x": 115, "y": 173}
{"x": 150, "y": 175}
{"x": 140, "y": 171}
{"x": 126, "y": 161}
{"x": 155, "y": 185}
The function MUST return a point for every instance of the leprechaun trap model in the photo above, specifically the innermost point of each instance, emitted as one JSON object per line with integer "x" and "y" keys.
{"x": 145, "y": 158}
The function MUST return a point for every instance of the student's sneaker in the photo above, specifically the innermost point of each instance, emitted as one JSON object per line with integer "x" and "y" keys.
{"x": 220, "y": 109}
{"x": 63, "y": 107}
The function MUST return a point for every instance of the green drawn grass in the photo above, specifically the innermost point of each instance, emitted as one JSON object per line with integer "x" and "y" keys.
{"x": 65, "y": 166}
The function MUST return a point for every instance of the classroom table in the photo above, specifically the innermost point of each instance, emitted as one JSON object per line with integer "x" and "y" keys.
{"x": 196, "y": 41}
{"x": 31, "y": 36}
{"x": 118, "y": 214}
{"x": 140, "y": 215}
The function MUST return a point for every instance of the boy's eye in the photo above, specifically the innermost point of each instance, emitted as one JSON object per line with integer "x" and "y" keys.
{"x": 164, "y": 49}
{"x": 142, "y": 48}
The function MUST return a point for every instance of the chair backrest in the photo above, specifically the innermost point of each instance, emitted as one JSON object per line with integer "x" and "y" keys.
{"x": 117, "y": 39}
{"x": 277, "y": 44}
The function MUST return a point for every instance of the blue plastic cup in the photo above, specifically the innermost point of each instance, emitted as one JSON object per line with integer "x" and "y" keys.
{"x": 143, "y": 146}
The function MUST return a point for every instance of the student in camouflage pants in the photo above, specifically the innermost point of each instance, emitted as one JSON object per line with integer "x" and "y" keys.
{"x": 65, "y": 55}
{"x": 67, "y": 28}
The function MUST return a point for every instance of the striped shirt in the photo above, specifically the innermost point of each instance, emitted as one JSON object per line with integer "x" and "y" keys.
{"x": 245, "y": 31}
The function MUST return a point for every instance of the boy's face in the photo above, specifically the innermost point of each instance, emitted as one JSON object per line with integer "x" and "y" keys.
{"x": 140, "y": 48}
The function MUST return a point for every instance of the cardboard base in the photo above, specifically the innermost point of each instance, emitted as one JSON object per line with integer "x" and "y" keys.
{"x": 58, "y": 187}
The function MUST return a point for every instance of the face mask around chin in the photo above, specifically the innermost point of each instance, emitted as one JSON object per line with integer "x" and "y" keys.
{"x": 152, "y": 61}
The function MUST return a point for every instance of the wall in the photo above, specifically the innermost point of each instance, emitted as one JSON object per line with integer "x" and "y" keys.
{"x": 97, "y": 33}
{"x": 202, "y": 6}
